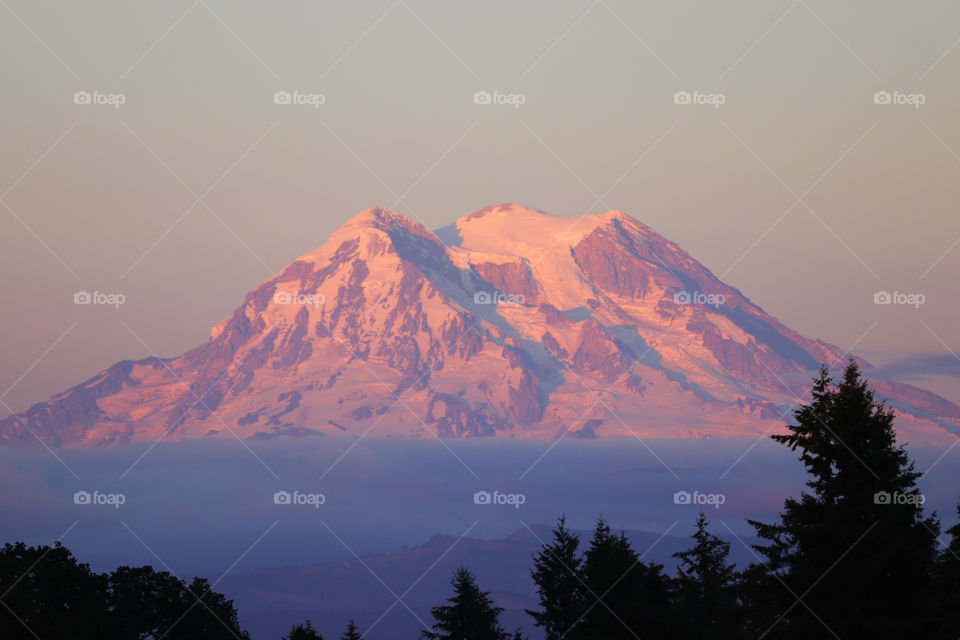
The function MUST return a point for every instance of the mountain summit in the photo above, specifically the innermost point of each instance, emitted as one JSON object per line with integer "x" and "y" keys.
{"x": 509, "y": 322}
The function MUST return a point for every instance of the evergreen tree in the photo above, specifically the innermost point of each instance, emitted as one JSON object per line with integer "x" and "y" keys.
{"x": 946, "y": 586}
{"x": 305, "y": 632}
{"x": 471, "y": 614}
{"x": 352, "y": 633}
{"x": 856, "y": 548}
{"x": 625, "y": 597}
{"x": 704, "y": 589}
{"x": 556, "y": 572}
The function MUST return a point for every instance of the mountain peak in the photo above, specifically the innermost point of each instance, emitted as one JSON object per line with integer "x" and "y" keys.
{"x": 523, "y": 231}
{"x": 380, "y": 218}
{"x": 507, "y": 209}
{"x": 508, "y": 322}
{"x": 614, "y": 213}
{"x": 372, "y": 230}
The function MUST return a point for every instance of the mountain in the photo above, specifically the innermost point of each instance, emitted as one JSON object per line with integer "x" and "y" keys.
{"x": 511, "y": 322}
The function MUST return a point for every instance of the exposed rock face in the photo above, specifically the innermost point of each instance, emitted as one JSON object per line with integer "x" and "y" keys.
{"x": 599, "y": 353}
{"x": 523, "y": 325}
{"x": 514, "y": 277}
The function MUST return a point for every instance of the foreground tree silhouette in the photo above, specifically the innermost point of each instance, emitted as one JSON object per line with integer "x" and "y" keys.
{"x": 48, "y": 594}
{"x": 556, "y": 572}
{"x": 704, "y": 589}
{"x": 352, "y": 633}
{"x": 854, "y": 554}
{"x": 471, "y": 614}
{"x": 145, "y": 603}
{"x": 625, "y": 597}
{"x": 213, "y": 617}
{"x": 303, "y": 632}
{"x": 946, "y": 586}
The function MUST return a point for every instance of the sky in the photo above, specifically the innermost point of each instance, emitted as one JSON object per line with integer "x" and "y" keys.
{"x": 182, "y": 184}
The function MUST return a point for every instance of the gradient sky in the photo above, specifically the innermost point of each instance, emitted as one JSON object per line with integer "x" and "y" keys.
{"x": 98, "y": 198}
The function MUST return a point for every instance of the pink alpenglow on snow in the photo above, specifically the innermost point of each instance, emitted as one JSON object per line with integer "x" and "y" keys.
{"x": 509, "y": 323}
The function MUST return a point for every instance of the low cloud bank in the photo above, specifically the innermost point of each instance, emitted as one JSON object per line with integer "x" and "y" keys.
{"x": 198, "y": 507}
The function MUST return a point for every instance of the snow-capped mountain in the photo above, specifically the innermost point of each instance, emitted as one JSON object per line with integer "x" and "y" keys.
{"x": 510, "y": 322}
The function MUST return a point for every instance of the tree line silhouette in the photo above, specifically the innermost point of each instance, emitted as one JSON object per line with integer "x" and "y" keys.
{"x": 855, "y": 556}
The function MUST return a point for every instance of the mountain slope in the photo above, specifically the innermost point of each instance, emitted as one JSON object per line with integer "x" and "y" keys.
{"x": 517, "y": 323}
